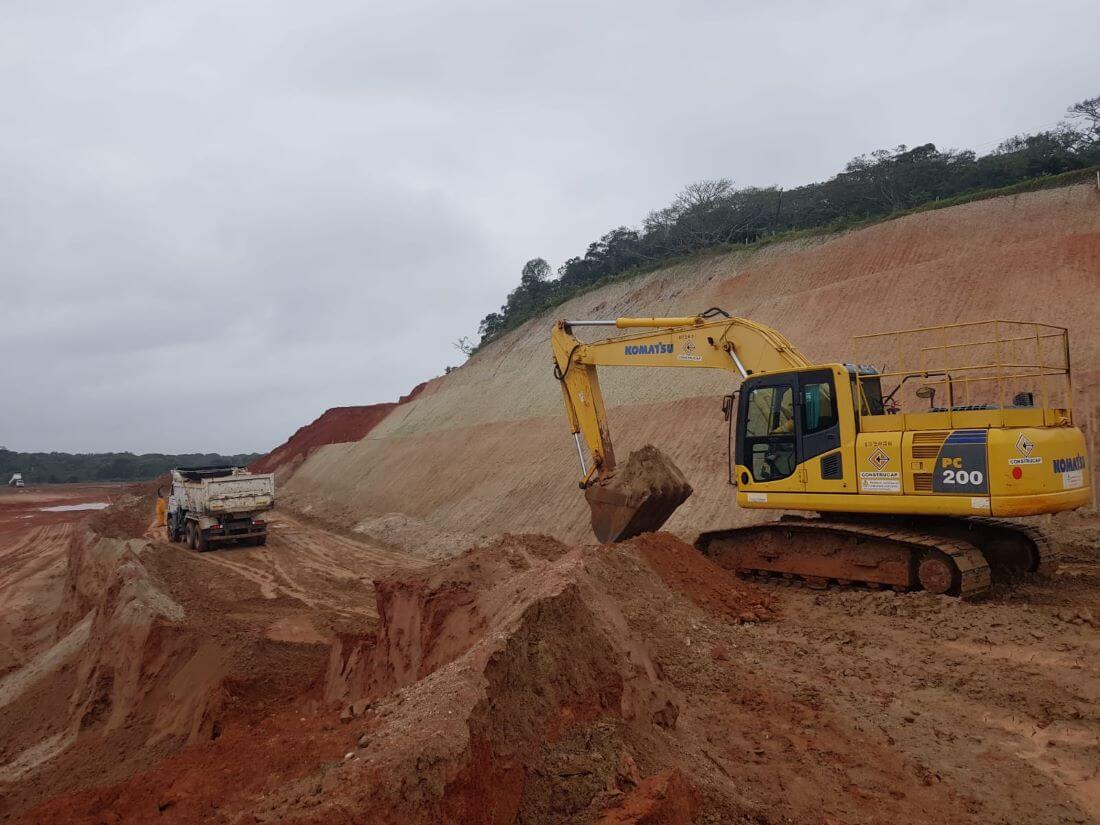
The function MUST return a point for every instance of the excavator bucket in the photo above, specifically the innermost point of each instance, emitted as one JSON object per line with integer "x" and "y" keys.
{"x": 637, "y": 498}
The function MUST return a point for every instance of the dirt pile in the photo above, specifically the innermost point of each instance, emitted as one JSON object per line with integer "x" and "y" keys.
{"x": 504, "y": 683}
{"x": 336, "y": 425}
{"x": 638, "y": 497}
{"x": 534, "y": 682}
{"x": 125, "y": 675}
{"x": 687, "y": 571}
{"x": 32, "y": 584}
{"x": 539, "y": 682}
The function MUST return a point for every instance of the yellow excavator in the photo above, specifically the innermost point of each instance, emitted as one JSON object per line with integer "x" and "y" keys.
{"x": 908, "y": 472}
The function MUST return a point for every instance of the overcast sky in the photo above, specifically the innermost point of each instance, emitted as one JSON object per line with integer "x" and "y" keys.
{"x": 218, "y": 219}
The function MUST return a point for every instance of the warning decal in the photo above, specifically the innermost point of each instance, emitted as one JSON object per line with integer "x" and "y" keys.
{"x": 880, "y": 482}
{"x": 878, "y": 459}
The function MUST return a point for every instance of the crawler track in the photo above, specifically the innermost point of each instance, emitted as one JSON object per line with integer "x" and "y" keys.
{"x": 959, "y": 557}
{"x": 1041, "y": 557}
{"x": 1010, "y": 549}
{"x": 820, "y": 552}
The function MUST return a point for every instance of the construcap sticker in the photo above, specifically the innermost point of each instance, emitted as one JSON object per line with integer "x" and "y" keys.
{"x": 1024, "y": 446}
{"x": 880, "y": 482}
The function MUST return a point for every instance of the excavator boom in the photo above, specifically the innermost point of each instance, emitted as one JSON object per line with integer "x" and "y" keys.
{"x": 641, "y": 497}
{"x": 694, "y": 341}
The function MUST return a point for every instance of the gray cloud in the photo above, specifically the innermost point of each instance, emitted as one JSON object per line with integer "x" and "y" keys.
{"x": 216, "y": 220}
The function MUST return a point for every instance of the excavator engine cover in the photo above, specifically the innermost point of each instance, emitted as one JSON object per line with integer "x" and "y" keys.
{"x": 637, "y": 498}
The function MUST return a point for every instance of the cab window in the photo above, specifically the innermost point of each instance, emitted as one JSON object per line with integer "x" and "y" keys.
{"x": 870, "y": 391}
{"x": 769, "y": 432}
{"x": 818, "y": 409}
{"x": 770, "y": 412}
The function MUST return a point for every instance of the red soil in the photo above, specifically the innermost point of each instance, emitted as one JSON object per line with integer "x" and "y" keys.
{"x": 248, "y": 760}
{"x": 335, "y": 426}
{"x": 535, "y": 682}
{"x": 666, "y": 798}
{"x": 686, "y": 570}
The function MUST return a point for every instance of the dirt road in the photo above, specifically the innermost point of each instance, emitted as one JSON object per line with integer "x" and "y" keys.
{"x": 326, "y": 574}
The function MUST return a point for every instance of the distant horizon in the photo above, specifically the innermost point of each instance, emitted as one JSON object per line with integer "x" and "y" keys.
{"x": 4, "y": 447}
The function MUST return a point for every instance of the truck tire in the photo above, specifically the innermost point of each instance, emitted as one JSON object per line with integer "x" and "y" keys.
{"x": 189, "y": 534}
{"x": 260, "y": 541}
{"x": 201, "y": 544}
{"x": 171, "y": 534}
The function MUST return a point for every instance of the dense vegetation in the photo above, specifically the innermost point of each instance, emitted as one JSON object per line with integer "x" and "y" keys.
{"x": 58, "y": 468}
{"x": 716, "y": 214}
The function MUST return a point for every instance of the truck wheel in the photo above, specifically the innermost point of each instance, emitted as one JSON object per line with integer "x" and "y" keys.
{"x": 201, "y": 544}
{"x": 171, "y": 533}
{"x": 260, "y": 541}
{"x": 189, "y": 534}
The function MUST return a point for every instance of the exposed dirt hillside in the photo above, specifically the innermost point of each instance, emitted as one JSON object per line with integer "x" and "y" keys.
{"x": 334, "y": 426}
{"x": 487, "y": 449}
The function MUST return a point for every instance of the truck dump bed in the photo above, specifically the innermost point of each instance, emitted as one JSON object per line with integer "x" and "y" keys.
{"x": 214, "y": 494}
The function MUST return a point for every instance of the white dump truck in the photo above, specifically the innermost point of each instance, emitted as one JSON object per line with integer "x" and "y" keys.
{"x": 16, "y": 480}
{"x": 219, "y": 505}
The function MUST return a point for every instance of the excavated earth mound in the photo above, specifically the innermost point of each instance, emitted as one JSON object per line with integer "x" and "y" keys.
{"x": 515, "y": 684}
{"x": 132, "y": 673}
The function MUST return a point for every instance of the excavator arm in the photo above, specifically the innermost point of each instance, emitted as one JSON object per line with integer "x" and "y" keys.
{"x": 736, "y": 345}
{"x": 643, "y": 495}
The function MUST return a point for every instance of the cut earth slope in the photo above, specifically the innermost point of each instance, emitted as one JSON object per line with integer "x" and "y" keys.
{"x": 486, "y": 449}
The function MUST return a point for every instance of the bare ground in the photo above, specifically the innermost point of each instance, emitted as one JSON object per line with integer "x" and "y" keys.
{"x": 836, "y": 707}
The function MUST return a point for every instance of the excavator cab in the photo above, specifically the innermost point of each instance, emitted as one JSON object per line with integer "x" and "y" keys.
{"x": 784, "y": 420}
